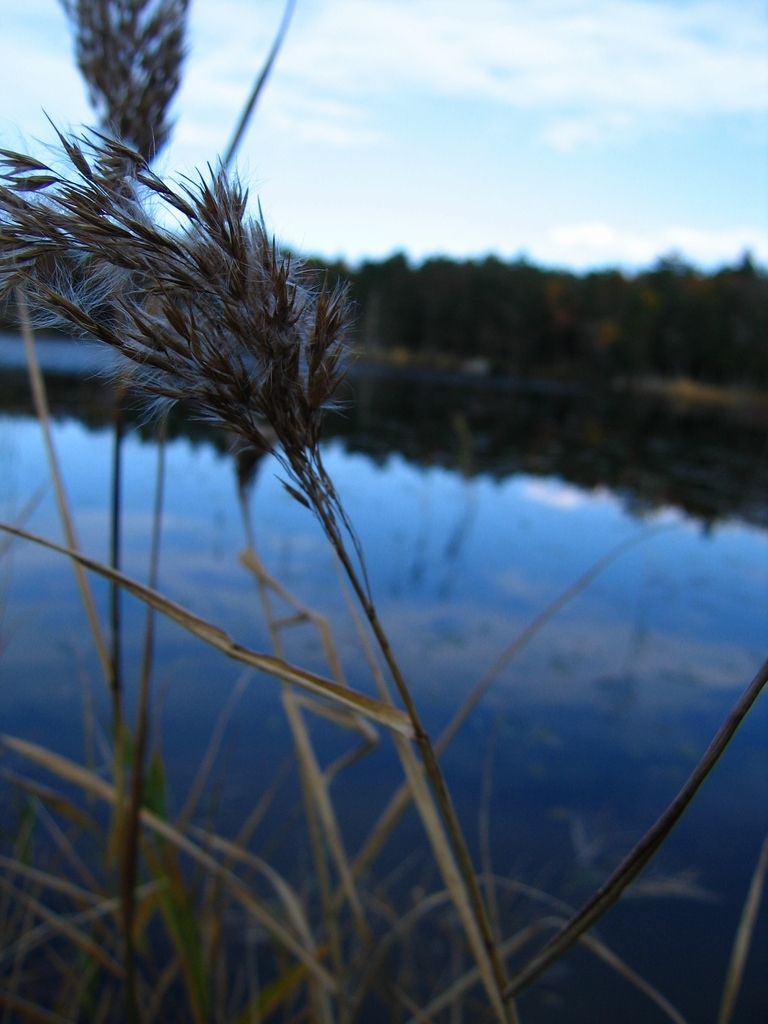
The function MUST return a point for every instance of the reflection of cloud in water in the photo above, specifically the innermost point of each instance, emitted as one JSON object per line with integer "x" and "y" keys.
{"x": 563, "y": 664}
{"x": 556, "y": 494}
{"x": 518, "y": 583}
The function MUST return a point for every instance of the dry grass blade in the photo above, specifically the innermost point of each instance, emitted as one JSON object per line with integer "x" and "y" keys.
{"x": 31, "y": 1011}
{"x": 617, "y": 964}
{"x": 66, "y": 847}
{"x": 48, "y": 881}
{"x": 24, "y": 515}
{"x": 418, "y": 791}
{"x": 431, "y": 767}
{"x": 34, "y": 937}
{"x": 314, "y": 780}
{"x": 377, "y": 711}
{"x": 266, "y": 580}
{"x": 259, "y": 84}
{"x": 43, "y": 415}
{"x": 743, "y": 938}
{"x": 533, "y": 893}
{"x": 65, "y": 928}
{"x": 256, "y": 816}
{"x": 534, "y": 627}
{"x": 323, "y": 879}
{"x": 322, "y": 801}
{"x": 352, "y": 723}
{"x": 206, "y": 765}
{"x": 88, "y": 780}
{"x": 484, "y": 830}
{"x": 526, "y": 935}
{"x": 130, "y": 851}
{"x": 419, "y": 1015}
{"x": 51, "y": 798}
{"x": 288, "y": 897}
{"x": 345, "y": 760}
{"x": 130, "y": 53}
{"x": 267, "y": 586}
{"x": 319, "y": 812}
{"x": 452, "y": 832}
{"x": 401, "y": 799}
{"x": 637, "y": 859}
{"x": 400, "y": 928}
{"x": 472, "y": 976}
{"x": 164, "y": 982}
{"x": 450, "y": 872}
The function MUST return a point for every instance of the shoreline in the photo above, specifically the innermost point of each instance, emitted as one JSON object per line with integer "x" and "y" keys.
{"x": 683, "y": 392}
{"x": 59, "y": 354}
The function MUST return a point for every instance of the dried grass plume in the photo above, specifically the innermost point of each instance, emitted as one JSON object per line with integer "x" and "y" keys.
{"x": 130, "y": 53}
{"x": 209, "y": 310}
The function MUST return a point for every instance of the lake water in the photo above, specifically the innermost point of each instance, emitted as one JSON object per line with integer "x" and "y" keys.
{"x": 477, "y": 504}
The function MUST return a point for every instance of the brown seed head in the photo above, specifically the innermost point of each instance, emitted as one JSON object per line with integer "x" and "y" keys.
{"x": 209, "y": 310}
{"x": 130, "y": 53}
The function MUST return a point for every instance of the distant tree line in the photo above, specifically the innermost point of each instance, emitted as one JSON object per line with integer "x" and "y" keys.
{"x": 670, "y": 320}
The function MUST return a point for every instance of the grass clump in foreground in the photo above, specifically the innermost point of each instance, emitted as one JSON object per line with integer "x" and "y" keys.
{"x": 111, "y": 910}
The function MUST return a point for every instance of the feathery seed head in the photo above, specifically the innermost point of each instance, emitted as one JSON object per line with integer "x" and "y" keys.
{"x": 130, "y": 53}
{"x": 211, "y": 312}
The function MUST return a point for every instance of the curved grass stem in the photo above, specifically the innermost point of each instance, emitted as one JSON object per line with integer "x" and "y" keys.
{"x": 637, "y": 859}
{"x": 431, "y": 767}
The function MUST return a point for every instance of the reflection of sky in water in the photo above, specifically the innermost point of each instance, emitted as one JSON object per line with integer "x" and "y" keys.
{"x": 599, "y": 719}
{"x": 457, "y": 566}
{"x": 61, "y": 355}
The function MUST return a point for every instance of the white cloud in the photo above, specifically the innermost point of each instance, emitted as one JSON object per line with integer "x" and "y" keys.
{"x": 595, "y": 242}
{"x": 379, "y": 127}
{"x": 565, "y": 497}
{"x": 592, "y": 67}
{"x": 566, "y": 133}
{"x": 640, "y": 54}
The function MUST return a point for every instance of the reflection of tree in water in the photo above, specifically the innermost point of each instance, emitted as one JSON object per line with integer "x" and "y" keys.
{"x": 618, "y": 692}
{"x": 463, "y": 527}
{"x": 709, "y": 463}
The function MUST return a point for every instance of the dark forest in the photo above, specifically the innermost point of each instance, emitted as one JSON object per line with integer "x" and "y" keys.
{"x": 670, "y": 321}
{"x": 521, "y": 320}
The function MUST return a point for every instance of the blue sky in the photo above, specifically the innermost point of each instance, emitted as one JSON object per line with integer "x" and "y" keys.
{"x": 579, "y": 133}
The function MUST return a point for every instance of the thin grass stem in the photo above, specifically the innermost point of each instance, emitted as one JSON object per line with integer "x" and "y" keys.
{"x": 64, "y": 927}
{"x": 114, "y": 552}
{"x": 43, "y": 415}
{"x": 484, "y": 830}
{"x": 31, "y": 1011}
{"x": 259, "y": 84}
{"x": 419, "y": 792}
{"x": 209, "y": 757}
{"x": 130, "y": 851}
{"x": 435, "y": 776}
{"x": 256, "y": 816}
{"x": 743, "y": 939}
{"x": 377, "y": 711}
{"x": 520, "y": 939}
{"x": 319, "y": 807}
{"x": 401, "y": 798}
{"x": 89, "y": 781}
{"x": 637, "y": 859}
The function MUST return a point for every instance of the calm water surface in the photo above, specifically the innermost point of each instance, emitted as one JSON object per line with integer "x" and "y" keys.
{"x": 476, "y": 504}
